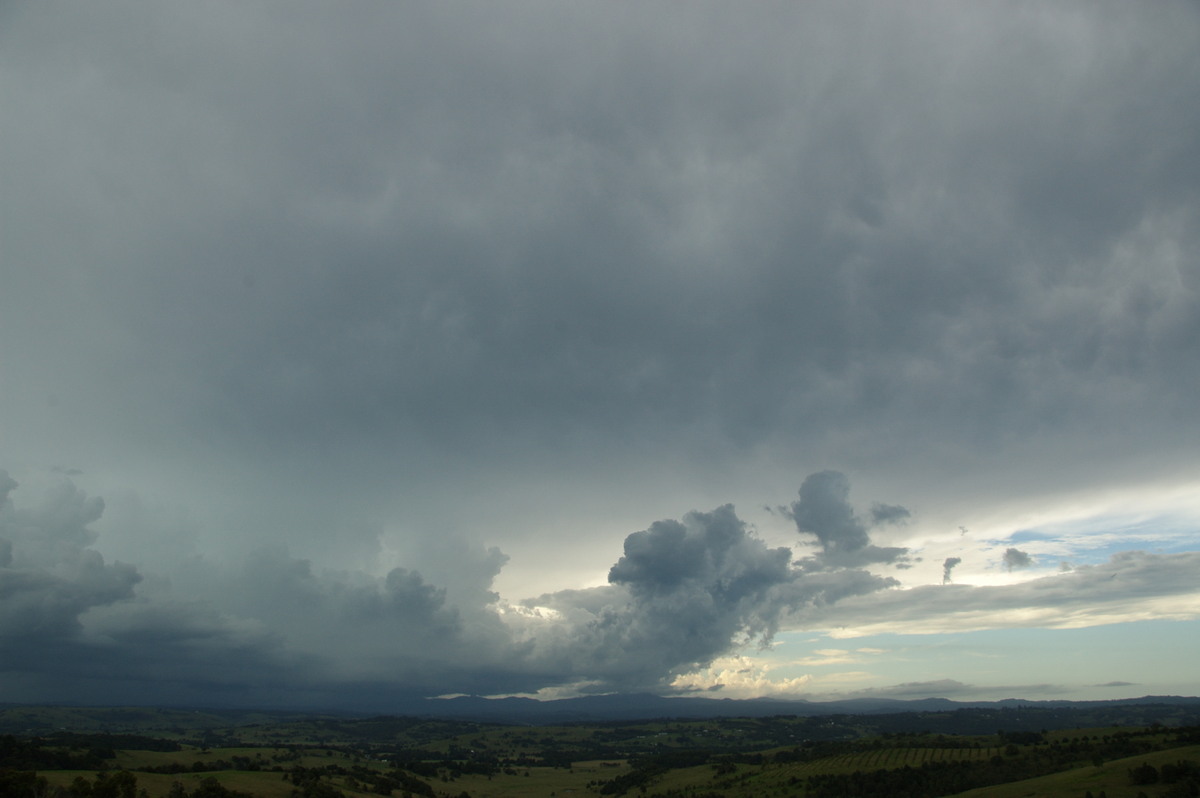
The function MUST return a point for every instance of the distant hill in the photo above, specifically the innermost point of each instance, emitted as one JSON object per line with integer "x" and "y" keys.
{"x": 642, "y": 707}
{"x": 938, "y": 714}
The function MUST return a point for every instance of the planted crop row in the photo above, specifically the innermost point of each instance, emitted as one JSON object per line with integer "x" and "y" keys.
{"x": 886, "y": 759}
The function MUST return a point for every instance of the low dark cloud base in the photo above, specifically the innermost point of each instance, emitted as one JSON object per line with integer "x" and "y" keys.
{"x": 274, "y": 630}
{"x": 683, "y": 593}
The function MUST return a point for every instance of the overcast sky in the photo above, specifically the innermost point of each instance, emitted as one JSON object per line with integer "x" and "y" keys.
{"x": 357, "y": 351}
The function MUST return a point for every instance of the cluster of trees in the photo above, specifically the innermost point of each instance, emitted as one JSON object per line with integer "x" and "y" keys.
{"x": 22, "y": 784}
{"x": 1183, "y": 776}
{"x": 1027, "y": 754}
{"x": 646, "y": 769}
{"x": 946, "y": 778}
{"x": 119, "y": 784}
{"x": 898, "y": 764}
{"x": 37, "y": 754}
{"x": 931, "y": 778}
{"x": 1037, "y": 758}
{"x": 308, "y": 781}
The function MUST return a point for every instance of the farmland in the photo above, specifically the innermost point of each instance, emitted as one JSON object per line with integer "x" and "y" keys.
{"x": 175, "y": 754}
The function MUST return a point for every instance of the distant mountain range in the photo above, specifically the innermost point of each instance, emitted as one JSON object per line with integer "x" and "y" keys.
{"x": 941, "y": 713}
{"x": 608, "y": 708}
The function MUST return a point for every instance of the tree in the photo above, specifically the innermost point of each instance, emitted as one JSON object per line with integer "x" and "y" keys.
{"x": 1144, "y": 773}
{"x": 122, "y": 784}
{"x": 22, "y": 784}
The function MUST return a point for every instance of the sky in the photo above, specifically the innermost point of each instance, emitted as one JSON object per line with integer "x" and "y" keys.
{"x": 357, "y": 352}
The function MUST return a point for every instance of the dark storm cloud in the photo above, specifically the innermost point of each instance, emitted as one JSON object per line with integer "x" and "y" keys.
{"x": 686, "y": 592}
{"x": 449, "y": 227}
{"x": 948, "y": 566}
{"x": 683, "y": 593}
{"x": 68, "y": 618}
{"x": 706, "y": 548}
{"x": 1015, "y": 559}
{"x": 889, "y": 514}
{"x": 48, "y": 575}
{"x": 824, "y": 510}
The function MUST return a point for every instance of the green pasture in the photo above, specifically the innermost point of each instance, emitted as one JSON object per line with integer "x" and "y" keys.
{"x": 157, "y": 785}
{"x": 1112, "y": 778}
{"x": 787, "y": 778}
{"x": 764, "y": 771}
{"x": 266, "y": 783}
{"x": 535, "y": 782}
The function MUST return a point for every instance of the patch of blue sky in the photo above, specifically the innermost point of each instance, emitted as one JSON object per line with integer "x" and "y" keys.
{"x": 1103, "y": 553}
{"x": 1026, "y": 535}
{"x": 1096, "y": 539}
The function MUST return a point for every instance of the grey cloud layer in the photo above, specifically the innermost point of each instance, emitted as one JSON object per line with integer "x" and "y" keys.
{"x": 310, "y": 273}
{"x": 410, "y": 228}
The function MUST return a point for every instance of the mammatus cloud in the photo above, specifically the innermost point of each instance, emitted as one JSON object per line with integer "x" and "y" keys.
{"x": 1015, "y": 559}
{"x": 947, "y": 567}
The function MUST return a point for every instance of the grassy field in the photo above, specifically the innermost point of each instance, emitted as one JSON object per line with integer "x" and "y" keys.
{"x": 584, "y": 778}
{"x": 537, "y": 782}
{"x": 157, "y": 785}
{"x": 212, "y": 763}
{"x": 731, "y": 758}
{"x": 769, "y": 778}
{"x": 1112, "y": 778}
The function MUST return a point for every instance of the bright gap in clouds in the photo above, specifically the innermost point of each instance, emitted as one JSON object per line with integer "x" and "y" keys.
{"x": 1108, "y": 661}
{"x": 1007, "y": 543}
